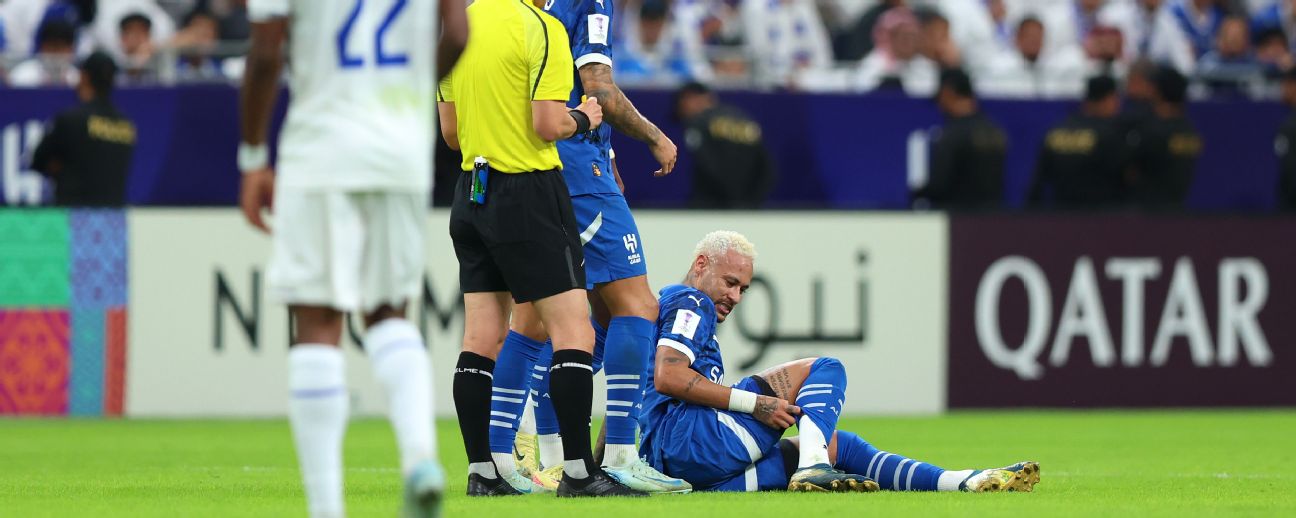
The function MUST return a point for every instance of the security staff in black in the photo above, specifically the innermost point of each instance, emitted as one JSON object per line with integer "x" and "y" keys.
{"x": 731, "y": 168}
{"x": 1082, "y": 162}
{"x": 1283, "y": 147}
{"x": 1166, "y": 148}
{"x": 967, "y": 162}
{"x": 87, "y": 150}
{"x": 514, "y": 230}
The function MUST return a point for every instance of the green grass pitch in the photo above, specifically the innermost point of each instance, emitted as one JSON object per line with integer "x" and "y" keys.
{"x": 1094, "y": 463}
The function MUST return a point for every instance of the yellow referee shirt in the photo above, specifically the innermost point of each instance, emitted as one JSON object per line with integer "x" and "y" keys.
{"x": 516, "y": 54}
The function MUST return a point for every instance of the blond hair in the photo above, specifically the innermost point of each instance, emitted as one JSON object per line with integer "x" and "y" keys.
{"x": 715, "y": 244}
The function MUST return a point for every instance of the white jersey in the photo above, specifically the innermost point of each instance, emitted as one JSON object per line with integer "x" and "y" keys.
{"x": 362, "y": 88}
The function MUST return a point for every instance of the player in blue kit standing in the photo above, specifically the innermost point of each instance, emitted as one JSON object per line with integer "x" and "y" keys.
{"x": 727, "y": 438}
{"x": 615, "y": 271}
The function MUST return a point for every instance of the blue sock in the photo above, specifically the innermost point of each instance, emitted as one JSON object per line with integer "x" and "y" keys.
{"x": 545, "y": 418}
{"x": 821, "y": 398}
{"x": 509, "y": 389}
{"x": 627, "y": 351}
{"x": 891, "y": 471}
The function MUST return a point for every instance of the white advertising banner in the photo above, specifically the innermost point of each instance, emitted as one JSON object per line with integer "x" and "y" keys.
{"x": 870, "y": 289}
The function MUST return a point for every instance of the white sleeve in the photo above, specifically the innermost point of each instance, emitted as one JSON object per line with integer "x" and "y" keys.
{"x": 264, "y": 10}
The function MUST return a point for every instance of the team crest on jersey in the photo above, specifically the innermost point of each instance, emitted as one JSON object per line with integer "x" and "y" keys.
{"x": 597, "y": 171}
{"x": 632, "y": 245}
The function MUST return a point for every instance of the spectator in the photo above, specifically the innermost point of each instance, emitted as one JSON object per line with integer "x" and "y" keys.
{"x": 1033, "y": 71}
{"x": 1071, "y": 22}
{"x": 895, "y": 60}
{"x": 935, "y": 43}
{"x": 1278, "y": 15}
{"x": 22, "y": 20}
{"x": 967, "y": 164}
{"x": 1283, "y": 146}
{"x": 981, "y": 28}
{"x": 53, "y": 64}
{"x": 1082, "y": 162}
{"x": 196, "y": 41}
{"x": 1231, "y": 67}
{"x": 662, "y": 47}
{"x": 87, "y": 150}
{"x": 731, "y": 167}
{"x": 1194, "y": 25}
{"x": 1139, "y": 22}
{"x": 785, "y": 38}
{"x": 859, "y": 41}
{"x": 106, "y": 29}
{"x": 136, "y": 41}
{"x": 1165, "y": 157}
{"x": 1272, "y": 52}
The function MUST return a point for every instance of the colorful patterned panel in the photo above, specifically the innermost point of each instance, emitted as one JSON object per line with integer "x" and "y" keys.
{"x": 115, "y": 362}
{"x": 34, "y": 257}
{"x": 86, "y": 383}
{"x": 33, "y": 362}
{"x": 98, "y": 255}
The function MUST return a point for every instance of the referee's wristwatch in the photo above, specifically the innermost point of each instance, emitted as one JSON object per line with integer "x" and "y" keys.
{"x": 253, "y": 157}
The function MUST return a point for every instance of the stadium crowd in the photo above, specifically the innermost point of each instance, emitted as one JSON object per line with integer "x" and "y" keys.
{"x": 1011, "y": 48}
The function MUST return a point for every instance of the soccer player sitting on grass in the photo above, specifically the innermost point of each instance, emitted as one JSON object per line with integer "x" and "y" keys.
{"x": 724, "y": 438}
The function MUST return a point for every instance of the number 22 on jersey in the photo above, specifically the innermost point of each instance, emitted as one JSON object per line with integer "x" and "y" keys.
{"x": 381, "y": 58}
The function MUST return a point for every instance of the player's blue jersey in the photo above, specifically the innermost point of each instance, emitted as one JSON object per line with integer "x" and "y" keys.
{"x": 687, "y": 323}
{"x": 587, "y": 166}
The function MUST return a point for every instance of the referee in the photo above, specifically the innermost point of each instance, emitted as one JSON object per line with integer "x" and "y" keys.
{"x": 514, "y": 230}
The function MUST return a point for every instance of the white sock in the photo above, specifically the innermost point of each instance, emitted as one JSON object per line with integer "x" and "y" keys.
{"x": 400, "y": 363}
{"x": 950, "y": 480}
{"x": 814, "y": 446}
{"x": 504, "y": 463}
{"x": 551, "y": 450}
{"x": 575, "y": 468}
{"x": 617, "y": 455}
{"x": 527, "y": 424}
{"x": 317, "y": 410}
{"x": 485, "y": 469}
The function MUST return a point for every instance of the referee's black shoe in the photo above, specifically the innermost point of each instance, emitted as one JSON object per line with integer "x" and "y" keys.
{"x": 597, "y": 484}
{"x": 482, "y": 486}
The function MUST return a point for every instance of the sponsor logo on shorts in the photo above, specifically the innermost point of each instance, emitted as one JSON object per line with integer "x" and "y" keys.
{"x": 632, "y": 246}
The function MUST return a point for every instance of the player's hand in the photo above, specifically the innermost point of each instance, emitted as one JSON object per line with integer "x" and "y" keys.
{"x": 665, "y": 152}
{"x": 775, "y": 413}
{"x": 592, "y": 110}
{"x": 257, "y": 193}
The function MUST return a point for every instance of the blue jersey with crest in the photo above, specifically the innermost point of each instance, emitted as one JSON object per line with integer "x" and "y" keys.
{"x": 686, "y": 322}
{"x": 587, "y": 166}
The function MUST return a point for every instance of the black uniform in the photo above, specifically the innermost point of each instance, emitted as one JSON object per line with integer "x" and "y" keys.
{"x": 1165, "y": 158}
{"x": 87, "y": 152}
{"x": 731, "y": 168}
{"x": 1081, "y": 164}
{"x": 967, "y": 165}
{"x": 1286, "y": 164}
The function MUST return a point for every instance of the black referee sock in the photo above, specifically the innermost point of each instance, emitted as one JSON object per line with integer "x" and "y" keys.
{"x": 571, "y": 387}
{"x": 472, "y": 393}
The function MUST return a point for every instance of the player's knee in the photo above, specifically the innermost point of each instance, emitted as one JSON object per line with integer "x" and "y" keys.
{"x": 832, "y": 367}
{"x": 571, "y": 334}
{"x": 530, "y": 328}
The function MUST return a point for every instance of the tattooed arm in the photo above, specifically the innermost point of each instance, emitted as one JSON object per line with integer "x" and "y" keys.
{"x": 673, "y": 377}
{"x": 622, "y": 115}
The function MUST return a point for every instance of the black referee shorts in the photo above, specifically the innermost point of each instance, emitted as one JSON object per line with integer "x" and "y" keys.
{"x": 523, "y": 240}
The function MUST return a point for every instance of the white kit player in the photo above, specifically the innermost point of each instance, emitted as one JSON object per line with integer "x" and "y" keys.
{"x": 350, "y": 198}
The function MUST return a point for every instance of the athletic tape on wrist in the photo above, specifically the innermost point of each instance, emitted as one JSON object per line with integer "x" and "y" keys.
{"x": 742, "y": 401}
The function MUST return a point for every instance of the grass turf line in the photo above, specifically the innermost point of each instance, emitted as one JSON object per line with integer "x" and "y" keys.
{"x": 1159, "y": 463}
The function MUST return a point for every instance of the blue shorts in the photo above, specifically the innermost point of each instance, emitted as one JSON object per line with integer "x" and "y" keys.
{"x": 613, "y": 248}
{"x": 718, "y": 450}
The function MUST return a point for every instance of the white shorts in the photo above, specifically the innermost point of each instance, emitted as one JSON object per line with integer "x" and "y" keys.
{"x": 349, "y": 250}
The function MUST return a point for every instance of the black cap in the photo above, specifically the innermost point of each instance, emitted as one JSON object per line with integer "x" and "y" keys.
{"x": 100, "y": 70}
{"x": 1099, "y": 88}
{"x": 1171, "y": 86}
{"x": 957, "y": 81}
